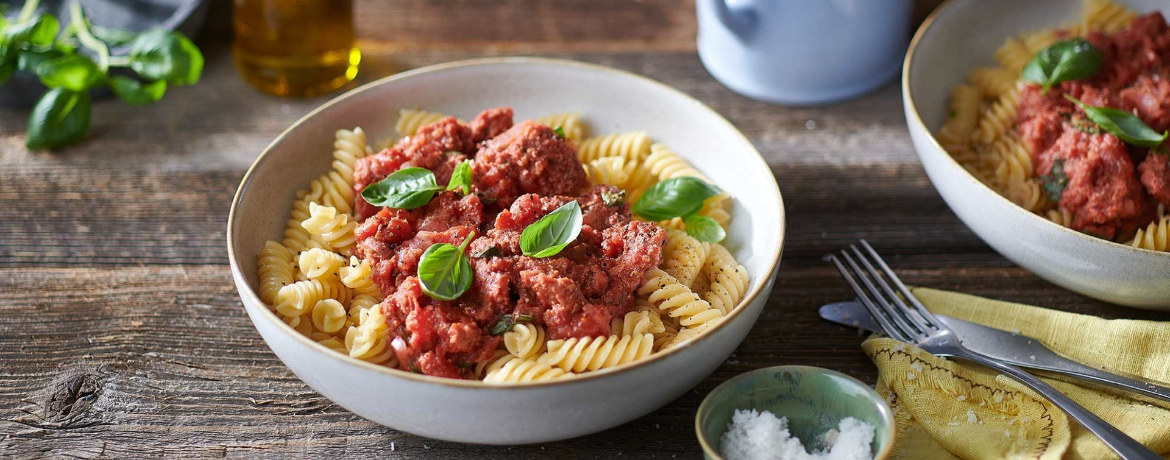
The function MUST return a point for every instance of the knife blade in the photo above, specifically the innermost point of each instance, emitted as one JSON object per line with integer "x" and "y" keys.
{"x": 1009, "y": 347}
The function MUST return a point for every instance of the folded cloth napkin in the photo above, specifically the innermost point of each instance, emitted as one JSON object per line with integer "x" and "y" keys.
{"x": 944, "y": 410}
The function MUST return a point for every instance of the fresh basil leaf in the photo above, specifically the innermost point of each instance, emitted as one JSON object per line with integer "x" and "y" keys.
{"x": 613, "y": 198}
{"x": 1055, "y": 181}
{"x": 134, "y": 92}
{"x": 1066, "y": 60}
{"x": 7, "y": 68}
{"x": 704, "y": 228}
{"x": 28, "y": 60}
{"x": 461, "y": 178}
{"x": 506, "y": 321}
{"x": 444, "y": 271}
{"x": 488, "y": 252}
{"x": 60, "y": 118}
{"x": 41, "y": 30}
{"x": 675, "y": 197}
{"x": 158, "y": 54}
{"x": 407, "y": 188}
{"x": 1126, "y": 126}
{"x": 73, "y": 72}
{"x": 559, "y": 131}
{"x": 549, "y": 235}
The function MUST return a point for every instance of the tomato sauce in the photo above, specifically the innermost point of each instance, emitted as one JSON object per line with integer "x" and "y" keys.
{"x": 520, "y": 174}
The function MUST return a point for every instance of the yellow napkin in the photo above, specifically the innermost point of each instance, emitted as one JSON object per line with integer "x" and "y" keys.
{"x": 948, "y": 411}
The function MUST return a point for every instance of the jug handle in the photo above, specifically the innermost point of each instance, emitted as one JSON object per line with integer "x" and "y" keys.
{"x": 739, "y": 17}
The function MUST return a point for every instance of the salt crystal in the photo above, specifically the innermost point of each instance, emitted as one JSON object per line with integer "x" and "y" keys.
{"x": 971, "y": 417}
{"x": 998, "y": 397}
{"x": 391, "y": 446}
{"x": 753, "y": 435}
{"x": 953, "y": 424}
{"x": 910, "y": 375}
{"x": 962, "y": 397}
{"x": 916, "y": 367}
{"x": 1007, "y": 434}
{"x": 1032, "y": 357}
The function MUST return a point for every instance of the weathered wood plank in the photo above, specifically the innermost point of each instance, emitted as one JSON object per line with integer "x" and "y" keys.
{"x": 147, "y": 361}
{"x": 526, "y": 26}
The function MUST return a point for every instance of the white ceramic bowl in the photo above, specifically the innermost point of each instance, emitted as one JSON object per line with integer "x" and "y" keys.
{"x": 465, "y": 411}
{"x": 962, "y": 35}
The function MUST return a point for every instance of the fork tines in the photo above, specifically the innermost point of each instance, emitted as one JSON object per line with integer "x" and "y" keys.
{"x": 884, "y": 295}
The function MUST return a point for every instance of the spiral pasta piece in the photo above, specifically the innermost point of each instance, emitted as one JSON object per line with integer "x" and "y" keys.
{"x": 613, "y": 171}
{"x": 683, "y": 256}
{"x": 525, "y": 340}
{"x": 677, "y": 299}
{"x": 331, "y": 228}
{"x": 296, "y": 299}
{"x": 329, "y": 316}
{"x": 356, "y": 276}
{"x": 482, "y": 366}
{"x": 633, "y": 147}
{"x": 511, "y": 369}
{"x": 569, "y": 122}
{"x": 301, "y": 324}
{"x": 275, "y": 266}
{"x": 1107, "y": 16}
{"x": 636, "y": 323}
{"x": 410, "y": 120}
{"x": 359, "y": 308}
{"x": 320, "y": 264}
{"x": 348, "y": 148}
{"x": 594, "y": 353}
{"x": 1155, "y": 237}
{"x": 667, "y": 164}
{"x": 369, "y": 341}
{"x": 728, "y": 280}
{"x": 993, "y": 82}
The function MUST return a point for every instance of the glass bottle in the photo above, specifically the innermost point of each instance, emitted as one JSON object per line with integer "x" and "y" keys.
{"x": 295, "y": 48}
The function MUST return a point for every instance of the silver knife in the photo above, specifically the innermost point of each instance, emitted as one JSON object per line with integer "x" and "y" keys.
{"x": 1008, "y": 347}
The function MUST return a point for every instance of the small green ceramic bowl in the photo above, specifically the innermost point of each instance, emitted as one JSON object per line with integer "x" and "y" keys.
{"x": 813, "y": 399}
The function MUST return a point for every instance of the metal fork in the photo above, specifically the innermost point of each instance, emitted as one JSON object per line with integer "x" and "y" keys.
{"x": 886, "y": 298}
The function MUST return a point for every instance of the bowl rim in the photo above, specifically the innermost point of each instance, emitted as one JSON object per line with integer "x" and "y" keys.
{"x": 915, "y": 121}
{"x": 269, "y": 316}
{"x": 887, "y": 414}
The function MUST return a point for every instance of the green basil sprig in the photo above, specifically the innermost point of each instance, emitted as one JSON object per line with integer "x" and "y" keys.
{"x": 1066, "y": 60}
{"x": 461, "y": 178}
{"x": 1055, "y": 181}
{"x": 60, "y": 118}
{"x": 406, "y": 188}
{"x": 506, "y": 321}
{"x": 677, "y": 197}
{"x": 704, "y": 228}
{"x": 559, "y": 131}
{"x": 549, "y": 235}
{"x": 444, "y": 271}
{"x": 36, "y": 43}
{"x": 1126, "y": 126}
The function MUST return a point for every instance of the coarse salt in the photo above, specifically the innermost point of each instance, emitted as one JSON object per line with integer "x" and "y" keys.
{"x": 753, "y": 435}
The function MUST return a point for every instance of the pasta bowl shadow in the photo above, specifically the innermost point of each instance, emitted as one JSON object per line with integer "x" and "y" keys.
{"x": 471, "y": 411}
{"x": 958, "y": 37}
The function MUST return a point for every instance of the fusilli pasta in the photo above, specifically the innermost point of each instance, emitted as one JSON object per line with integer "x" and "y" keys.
{"x": 511, "y": 369}
{"x": 570, "y": 123}
{"x": 525, "y": 340}
{"x": 594, "y": 353}
{"x": 677, "y": 300}
{"x": 633, "y": 147}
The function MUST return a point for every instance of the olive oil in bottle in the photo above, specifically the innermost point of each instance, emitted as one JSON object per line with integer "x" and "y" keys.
{"x": 295, "y": 48}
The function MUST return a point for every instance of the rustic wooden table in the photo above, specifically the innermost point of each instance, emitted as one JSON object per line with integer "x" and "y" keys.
{"x": 121, "y": 334}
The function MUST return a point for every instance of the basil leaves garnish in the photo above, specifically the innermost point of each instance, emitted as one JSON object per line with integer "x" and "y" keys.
{"x": 444, "y": 271}
{"x": 1126, "y": 126}
{"x": 677, "y": 197}
{"x": 410, "y": 188}
{"x": 506, "y": 321}
{"x": 1055, "y": 181}
{"x": 559, "y": 131}
{"x": 407, "y": 188}
{"x": 461, "y": 178}
{"x": 704, "y": 228}
{"x": 549, "y": 235}
{"x": 613, "y": 198}
{"x": 1063, "y": 61}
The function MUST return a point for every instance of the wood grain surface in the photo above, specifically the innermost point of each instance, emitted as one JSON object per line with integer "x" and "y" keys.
{"x": 122, "y": 336}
